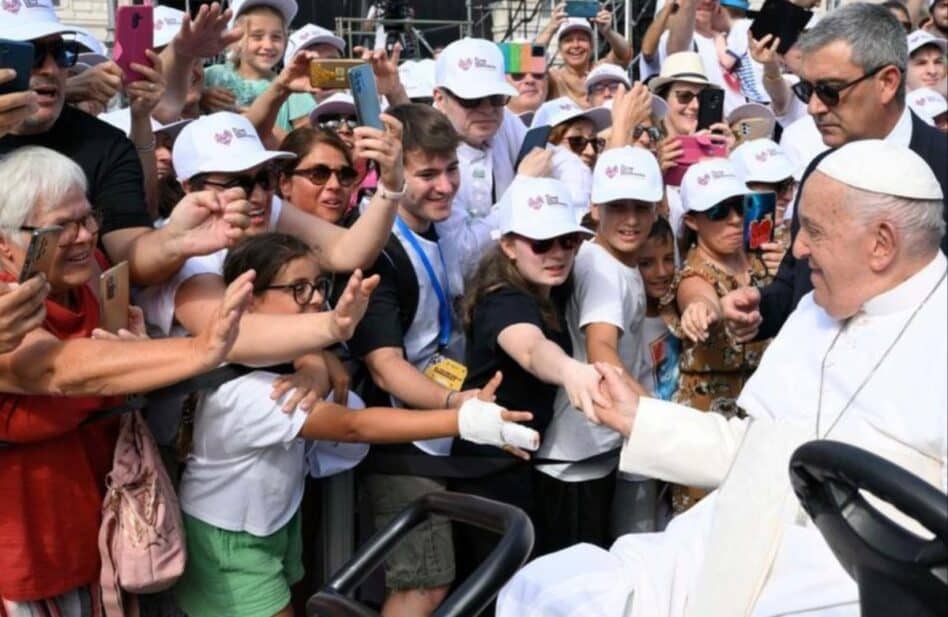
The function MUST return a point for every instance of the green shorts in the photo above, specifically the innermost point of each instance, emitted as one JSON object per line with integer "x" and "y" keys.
{"x": 424, "y": 559}
{"x": 237, "y": 574}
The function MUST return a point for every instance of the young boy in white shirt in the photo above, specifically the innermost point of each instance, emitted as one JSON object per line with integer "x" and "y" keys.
{"x": 605, "y": 317}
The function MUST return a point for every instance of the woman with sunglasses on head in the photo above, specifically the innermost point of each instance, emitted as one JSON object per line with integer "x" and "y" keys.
{"x": 713, "y": 367}
{"x": 514, "y": 318}
{"x": 574, "y": 128}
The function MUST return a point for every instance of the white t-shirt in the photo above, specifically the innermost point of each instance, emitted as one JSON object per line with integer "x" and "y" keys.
{"x": 709, "y": 58}
{"x": 661, "y": 350}
{"x": 247, "y": 466}
{"x": 606, "y": 291}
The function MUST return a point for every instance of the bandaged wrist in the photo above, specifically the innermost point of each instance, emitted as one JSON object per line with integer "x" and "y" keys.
{"x": 480, "y": 422}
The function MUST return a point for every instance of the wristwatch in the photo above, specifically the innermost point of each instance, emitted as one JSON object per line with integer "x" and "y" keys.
{"x": 382, "y": 191}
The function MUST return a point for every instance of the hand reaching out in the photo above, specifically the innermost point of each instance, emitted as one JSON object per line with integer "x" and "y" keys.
{"x": 481, "y": 421}
{"x": 741, "y": 311}
{"x": 217, "y": 338}
{"x": 206, "y": 35}
{"x": 618, "y": 413}
{"x": 697, "y": 319}
{"x": 581, "y": 383}
{"x": 352, "y": 305}
{"x": 204, "y": 222}
{"x": 134, "y": 332}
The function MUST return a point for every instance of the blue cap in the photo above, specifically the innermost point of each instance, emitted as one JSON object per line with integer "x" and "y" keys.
{"x": 736, "y": 4}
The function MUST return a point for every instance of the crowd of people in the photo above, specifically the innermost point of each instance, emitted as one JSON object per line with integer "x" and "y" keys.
{"x": 624, "y": 332}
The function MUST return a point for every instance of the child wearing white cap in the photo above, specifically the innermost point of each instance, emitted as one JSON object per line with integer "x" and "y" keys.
{"x": 712, "y": 368}
{"x": 249, "y": 68}
{"x": 514, "y": 319}
{"x": 605, "y": 315}
{"x": 926, "y": 65}
{"x": 574, "y": 41}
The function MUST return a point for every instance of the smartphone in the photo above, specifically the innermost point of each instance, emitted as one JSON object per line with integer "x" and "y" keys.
{"x": 582, "y": 8}
{"x": 19, "y": 57}
{"x": 40, "y": 252}
{"x": 331, "y": 73}
{"x": 759, "y": 212}
{"x": 783, "y": 19}
{"x": 366, "y": 96}
{"x": 537, "y": 137}
{"x": 523, "y": 58}
{"x": 114, "y": 298}
{"x": 134, "y": 35}
{"x": 750, "y": 129}
{"x": 710, "y": 107}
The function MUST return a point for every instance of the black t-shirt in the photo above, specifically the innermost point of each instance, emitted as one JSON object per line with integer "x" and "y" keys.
{"x": 519, "y": 391}
{"x": 108, "y": 158}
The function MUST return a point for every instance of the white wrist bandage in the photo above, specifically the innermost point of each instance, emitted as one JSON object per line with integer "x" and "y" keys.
{"x": 480, "y": 422}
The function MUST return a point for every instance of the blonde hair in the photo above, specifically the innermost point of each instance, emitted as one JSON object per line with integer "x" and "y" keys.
{"x": 237, "y": 49}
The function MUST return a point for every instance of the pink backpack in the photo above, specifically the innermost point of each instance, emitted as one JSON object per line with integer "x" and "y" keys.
{"x": 141, "y": 539}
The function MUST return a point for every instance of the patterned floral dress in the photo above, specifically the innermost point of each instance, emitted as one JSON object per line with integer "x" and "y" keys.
{"x": 711, "y": 373}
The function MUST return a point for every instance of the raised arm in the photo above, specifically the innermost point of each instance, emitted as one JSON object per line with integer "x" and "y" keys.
{"x": 681, "y": 29}
{"x": 263, "y": 112}
{"x": 656, "y": 29}
{"x": 620, "y": 50}
{"x": 602, "y": 345}
{"x": 557, "y": 17}
{"x": 764, "y": 51}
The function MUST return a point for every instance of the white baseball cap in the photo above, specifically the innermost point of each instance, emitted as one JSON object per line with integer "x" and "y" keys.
{"x": 310, "y": 35}
{"x": 471, "y": 69}
{"x": 95, "y": 52}
{"x": 537, "y": 208}
{"x": 564, "y": 108}
{"x": 708, "y": 183}
{"x": 627, "y": 173}
{"x": 28, "y": 20}
{"x": 927, "y": 103}
{"x": 222, "y": 142}
{"x": 167, "y": 23}
{"x": 338, "y": 103}
{"x": 761, "y": 160}
{"x": 122, "y": 119}
{"x": 921, "y": 38}
{"x": 607, "y": 71}
{"x": 286, "y": 8}
{"x": 574, "y": 23}
{"x": 880, "y": 167}
{"x": 418, "y": 77}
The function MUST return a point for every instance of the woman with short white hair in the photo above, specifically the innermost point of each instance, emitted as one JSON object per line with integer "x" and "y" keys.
{"x": 52, "y": 464}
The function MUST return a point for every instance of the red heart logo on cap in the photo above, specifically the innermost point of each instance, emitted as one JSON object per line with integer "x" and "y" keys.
{"x": 611, "y": 171}
{"x": 464, "y": 64}
{"x": 535, "y": 202}
{"x": 11, "y": 6}
{"x": 223, "y": 138}
{"x": 760, "y": 232}
{"x": 761, "y": 156}
{"x": 703, "y": 180}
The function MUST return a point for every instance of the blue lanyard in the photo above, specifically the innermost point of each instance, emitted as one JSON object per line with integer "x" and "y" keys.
{"x": 445, "y": 316}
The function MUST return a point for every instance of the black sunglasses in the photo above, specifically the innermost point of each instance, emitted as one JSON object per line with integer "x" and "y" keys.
{"x": 336, "y": 121}
{"x": 320, "y": 174}
{"x": 720, "y": 211}
{"x": 828, "y": 95}
{"x": 303, "y": 291}
{"x": 578, "y": 143}
{"x": 265, "y": 179}
{"x": 654, "y": 133}
{"x": 64, "y": 53}
{"x": 495, "y": 100}
{"x": 684, "y": 97}
{"x": 569, "y": 242}
{"x": 522, "y": 76}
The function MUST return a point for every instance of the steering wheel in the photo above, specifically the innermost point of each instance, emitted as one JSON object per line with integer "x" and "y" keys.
{"x": 898, "y": 572}
{"x": 470, "y": 597}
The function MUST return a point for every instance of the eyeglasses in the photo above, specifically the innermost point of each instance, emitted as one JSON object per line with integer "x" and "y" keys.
{"x": 91, "y": 222}
{"x": 568, "y": 242}
{"x": 578, "y": 143}
{"x": 828, "y": 95}
{"x": 303, "y": 291}
{"x": 495, "y": 100}
{"x": 602, "y": 86}
{"x": 64, "y": 53}
{"x": 335, "y": 122}
{"x": 522, "y": 76}
{"x": 654, "y": 133}
{"x": 684, "y": 97}
{"x": 265, "y": 179}
{"x": 319, "y": 174}
{"x": 719, "y": 212}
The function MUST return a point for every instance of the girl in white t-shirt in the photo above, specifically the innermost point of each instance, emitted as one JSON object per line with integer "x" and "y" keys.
{"x": 243, "y": 483}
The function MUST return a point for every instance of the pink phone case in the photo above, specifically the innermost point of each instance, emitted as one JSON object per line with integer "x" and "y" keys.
{"x": 694, "y": 148}
{"x": 134, "y": 34}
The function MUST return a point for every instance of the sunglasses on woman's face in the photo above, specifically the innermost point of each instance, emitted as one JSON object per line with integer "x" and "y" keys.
{"x": 719, "y": 212}
{"x": 684, "y": 97}
{"x": 265, "y": 179}
{"x": 495, "y": 100}
{"x": 828, "y": 94}
{"x": 578, "y": 143}
{"x": 320, "y": 174}
{"x": 654, "y": 133}
{"x": 522, "y": 76}
{"x": 569, "y": 242}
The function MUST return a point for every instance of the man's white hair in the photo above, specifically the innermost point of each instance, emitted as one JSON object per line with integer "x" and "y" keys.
{"x": 920, "y": 222}
{"x": 35, "y": 180}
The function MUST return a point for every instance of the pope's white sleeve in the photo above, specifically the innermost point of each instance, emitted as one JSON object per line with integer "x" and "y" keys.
{"x": 678, "y": 444}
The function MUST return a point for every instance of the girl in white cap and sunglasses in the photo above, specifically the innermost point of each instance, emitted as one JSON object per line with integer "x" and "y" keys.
{"x": 713, "y": 367}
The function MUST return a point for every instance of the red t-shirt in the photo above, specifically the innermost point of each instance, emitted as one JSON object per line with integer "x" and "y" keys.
{"x": 52, "y": 479}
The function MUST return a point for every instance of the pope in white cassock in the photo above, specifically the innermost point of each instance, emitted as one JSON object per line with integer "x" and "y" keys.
{"x": 862, "y": 360}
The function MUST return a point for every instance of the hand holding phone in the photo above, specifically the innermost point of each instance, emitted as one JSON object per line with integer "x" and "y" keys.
{"x": 582, "y": 8}
{"x": 537, "y": 137}
{"x": 19, "y": 57}
{"x": 710, "y": 107}
{"x": 759, "y": 212}
{"x": 134, "y": 34}
{"x": 783, "y": 19}
{"x": 331, "y": 73}
{"x": 114, "y": 298}
{"x": 40, "y": 252}
{"x": 365, "y": 94}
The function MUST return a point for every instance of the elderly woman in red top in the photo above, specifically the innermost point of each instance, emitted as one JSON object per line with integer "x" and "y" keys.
{"x": 52, "y": 466}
